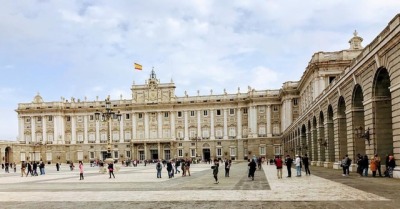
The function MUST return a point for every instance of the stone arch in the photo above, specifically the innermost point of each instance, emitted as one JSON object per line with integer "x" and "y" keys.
{"x": 382, "y": 140}
{"x": 8, "y": 155}
{"x": 314, "y": 148}
{"x": 330, "y": 136}
{"x": 341, "y": 129}
{"x": 358, "y": 120}
{"x": 322, "y": 139}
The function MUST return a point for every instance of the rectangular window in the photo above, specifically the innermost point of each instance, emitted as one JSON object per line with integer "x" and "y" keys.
{"x": 295, "y": 102}
{"x": 115, "y": 154}
{"x": 68, "y": 118}
{"x": 218, "y": 112}
{"x": 232, "y": 131}
{"x": 262, "y": 150}
{"x": 180, "y": 144}
{"x": 192, "y": 113}
{"x": 193, "y": 152}
{"x": 231, "y": 111}
{"x": 180, "y": 153}
{"x": 127, "y": 116}
{"x": 140, "y": 115}
{"x": 128, "y": 154}
{"x": 233, "y": 151}
{"x": 91, "y": 154}
{"x": 219, "y": 152}
{"x": 277, "y": 151}
{"x": 91, "y": 117}
{"x": 275, "y": 108}
{"x": 205, "y": 112}
{"x": 179, "y": 114}
{"x": 218, "y": 143}
{"x": 166, "y": 114}
{"x": 50, "y": 118}
{"x": 39, "y": 119}
{"x": 245, "y": 111}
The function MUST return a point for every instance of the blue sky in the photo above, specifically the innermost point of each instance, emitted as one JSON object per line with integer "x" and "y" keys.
{"x": 87, "y": 48}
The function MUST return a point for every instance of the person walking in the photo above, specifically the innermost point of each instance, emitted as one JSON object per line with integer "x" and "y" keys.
{"x": 297, "y": 163}
{"x": 169, "y": 168}
{"x": 359, "y": 164}
{"x": 288, "y": 163}
{"x": 187, "y": 167}
{"x": 177, "y": 165}
{"x": 278, "y": 162}
{"x": 158, "y": 168}
{"x": 365, "y": 164}
{"x": 252, "y": 169}
{"x": 345, "y": 164}
{"x": 41, "y": 166}
{"x": 111, "y": 169}
{"x": 390, "y": 165}
{"x": 23, "y": 167}
{"x": 15, "y": 167}
{"x": 227, "y": 167}
{"x": 215, "y": 171}
{"x": 58, "y": 166}
{"x": 81, "y": 171}
{"x": 372, "y": 166}
{"x": 306, "y": 165}
{"x": 34, "y": 167}
{"x": 378, "y": 164}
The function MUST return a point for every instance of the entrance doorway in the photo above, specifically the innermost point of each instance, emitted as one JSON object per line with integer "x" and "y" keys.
{"x": 103, "y": 155}
{"x": 207, "y": 154}
{"x": 154, "y": 154}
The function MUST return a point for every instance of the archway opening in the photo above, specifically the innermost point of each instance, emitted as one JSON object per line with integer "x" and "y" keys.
{"x": 342, "y": 129}
{"x": 330, "y": 137}
{"x": 358, "y": 121}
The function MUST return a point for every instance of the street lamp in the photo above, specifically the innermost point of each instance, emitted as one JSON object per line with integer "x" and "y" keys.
{"x": 360, "y": 133}
{"x": 196, "y": 138}
{"x": 106, "y": 116}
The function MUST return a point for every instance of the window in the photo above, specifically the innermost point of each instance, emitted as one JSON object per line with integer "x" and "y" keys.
{"x": 218, "y": 112}
{"x": 231, "y": 111}
{"x": 262, "y": 150}
{"x": 232, "y": 131}
{"x": 127, "y": 135}
{"x": 91, "y": 154}
{"x": 331, "y": 79}
{"x": 245, "y": 111}
{"x": 140, "y": 115}
{"x": 179, "y": 114}
{"x": 192, "y": 113}
{"x": 39, "y": 119}
{"x": 233, "y": 151}
{"x": 218, "y": 143}
{"x": 218, "y": 133}
{"x": 193, "y": 152}
{"x": 115, "y": 154}
{"x": 180, "y": 144}
{"x": 68, "y": 118}
{"x": 205, "y": 112}
{"x": 80, "y": 119}
{"x": 91, "y": 117}
{"x": 261, "y": 129}
{"x": 128, "y": 154}
{"x": 127, "y": 116}
{"x": 277, "y": 151}
{"x": 275, "y": 108}
{"x": 50, "y": 118}
{"x": 219, "y": 152}
{"x": 166, "y": 114}
{"x": 27, "y": 120}
{"x": 180, "y": 153}
{"x": 295, "y": 102}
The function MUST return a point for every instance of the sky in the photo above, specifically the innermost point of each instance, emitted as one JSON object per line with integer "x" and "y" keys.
{"x": 81, "y": 48}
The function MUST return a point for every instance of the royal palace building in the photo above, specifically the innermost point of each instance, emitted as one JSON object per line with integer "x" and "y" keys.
{"x": 346, "y": 102}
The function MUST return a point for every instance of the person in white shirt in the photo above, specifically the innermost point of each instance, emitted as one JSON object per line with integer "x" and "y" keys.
{"x": 297, "y": 162}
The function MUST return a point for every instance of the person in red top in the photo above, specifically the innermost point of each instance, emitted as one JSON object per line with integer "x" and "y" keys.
{"x": 278, "y": 163}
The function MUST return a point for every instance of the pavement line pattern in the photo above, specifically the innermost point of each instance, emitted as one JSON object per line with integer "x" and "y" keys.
{"x": 305, "y": 188}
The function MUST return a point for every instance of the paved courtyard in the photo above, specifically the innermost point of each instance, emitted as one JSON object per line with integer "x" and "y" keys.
{"x": 138, "y": 187}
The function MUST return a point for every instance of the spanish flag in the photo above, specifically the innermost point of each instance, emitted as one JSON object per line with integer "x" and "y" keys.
{"x": 138, "y": 66}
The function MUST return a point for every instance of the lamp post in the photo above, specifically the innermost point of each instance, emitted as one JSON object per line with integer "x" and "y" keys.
{"x": 363, "y": 135}
{"x": 106, "y": 116}
{"x": 196, "y": 138}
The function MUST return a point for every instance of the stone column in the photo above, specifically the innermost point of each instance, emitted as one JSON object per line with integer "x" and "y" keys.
{"x": 121, "y": 130}
{"x": 134, "y": 126}
{"x": 186, "y": 125}
{"x": 33, "y": 129}
{"x": 73, "y": 129}
{"x": 146, "y": 125}
{"x": 255, "y": 133}
{"x": 239, "y": 123}
{"x": 85, "y": 129}
{"x": 173, "y": 125}
{"x": 212, "y": 134}
{"x": 225, "y": 123}
{"x": 97, "y": 131}
{"x": 145, "y": 151}
{"x": 199, "y": 134}
{"x": 44, "y": 129}
{"x": 159, "y": 125}
{"x": 159, "y": 151}
{"x": 269, "y": 128}
{"x": 21, "y": 129}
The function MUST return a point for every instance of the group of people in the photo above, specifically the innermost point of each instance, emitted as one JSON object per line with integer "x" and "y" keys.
{"x": 6, "y": 166}
{"x": 299, "y": 162}
{"x": 173, "y": 166}
{"x": 374, "y": 164}
{"x": 32, "y": 168}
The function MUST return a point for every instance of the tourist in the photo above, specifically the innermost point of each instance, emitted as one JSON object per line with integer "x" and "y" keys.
{"x": 288, "y": 163}
{"x": 111, "y": 169}
{"x": 169, "y": 168}
{"x": 6, "y": 168}
{"x": 345, "y": 164}
{"x": 297, "y": 163}
{"x": 227, "y": 167}
{"x": 390, "y": 165}
{"x": 81, "y": 171}
{"x": 183, "y": 163}
{"x": 71, "y": 166}
{"x": 158, "y": 168}
{"x": 306, "y": 165}
{"x": 41, "y": 166}
{"x": 177, "y": 164}
{"x": 187, "y": 167}
{"x": 252, "y": 168}
{"x": 215, "y": 171}
{"x": 15, "y": 167}
{"x": 23, "y": 167}
{"x": 372, "y": 166}
{"x": 58, "y": 166}
{"x": 378, "y": 164}
{"x": 359, "y": 164}
{"x": 278, "y": 163}
{"x": 365, "y": 164}
{"x": 29, "y": 169}
{"x": 34, "y": 167}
